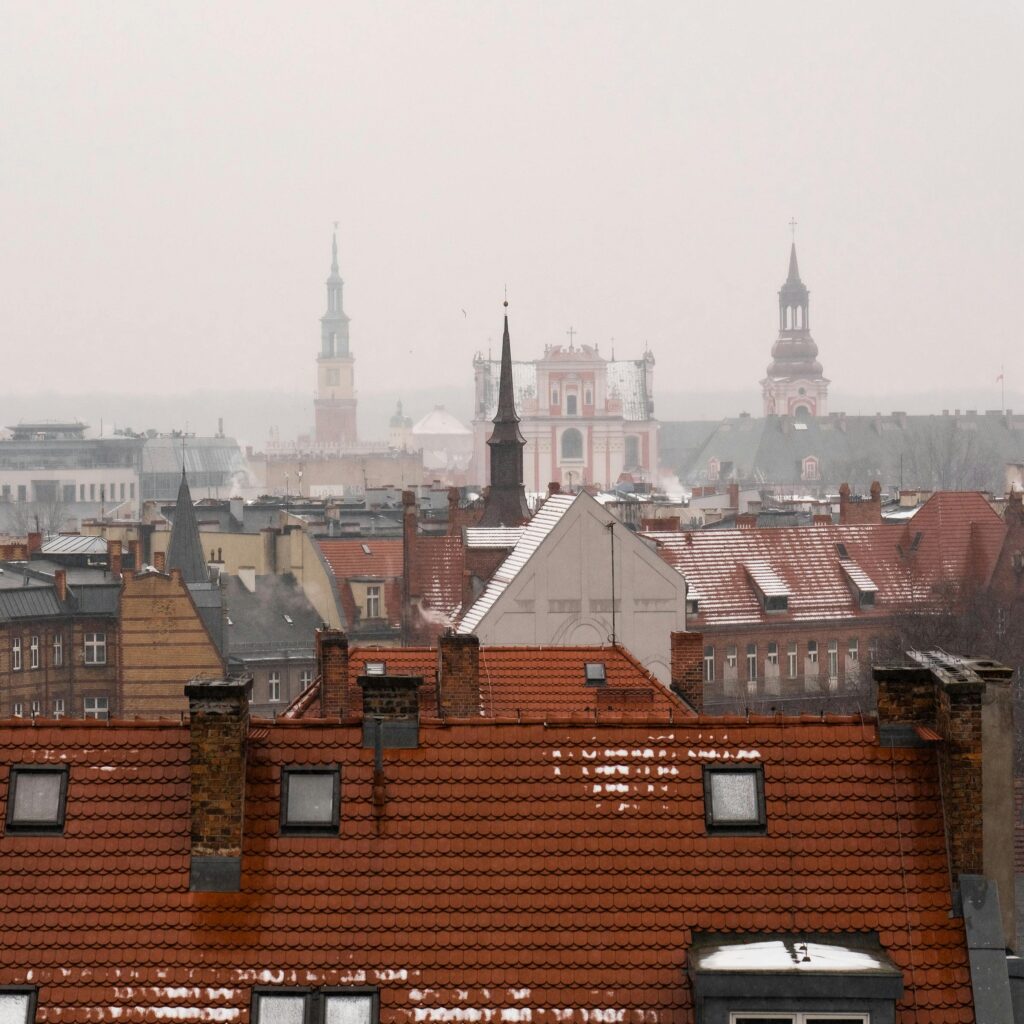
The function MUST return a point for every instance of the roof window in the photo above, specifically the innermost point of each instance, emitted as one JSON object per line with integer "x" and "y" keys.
{"x": 314, "y": 1006}
{"x": 594, "y": 674}
{"x": 35, "y": 800}
{"x": 366, "y": 549}
{"x": 310, "y": 798}
{"x": 17, "y": 1005}
{"x": 288, "y": 619}
{"x": 734, "y": 799}
{"x": 375, "y": 668}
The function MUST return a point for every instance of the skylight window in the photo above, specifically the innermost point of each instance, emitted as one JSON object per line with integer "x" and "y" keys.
{"x": 17, "y": 1005}
{"x": 594, "y": 674}
{"x": 310, "y": 800}
{"x": 35, "y": 800}
{"x": 734, "y": 799}
{"x": 375, "y": 668}
{"x": 288, "y": 619}
{"x": 366, "y": 549}
{"x": 306, "y": 1006}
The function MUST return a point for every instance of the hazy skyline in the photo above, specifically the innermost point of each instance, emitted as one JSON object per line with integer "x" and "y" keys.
{"x": 170, "y": 175}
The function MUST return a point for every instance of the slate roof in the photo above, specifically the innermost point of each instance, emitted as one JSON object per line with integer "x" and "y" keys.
{"x": 75, "y": 544}
{"x": 185, "y": 547}
{"x": 541, "y": 871}
{"x": 960, "y": 539}
{"x": 258, "y": 625}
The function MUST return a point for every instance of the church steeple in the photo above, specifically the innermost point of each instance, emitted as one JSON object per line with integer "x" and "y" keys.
{"x": 794, "y": 384}
{"x": 506, "y": 500}
{"x": 185, "y": 547}
{"x": 334, "y": 323}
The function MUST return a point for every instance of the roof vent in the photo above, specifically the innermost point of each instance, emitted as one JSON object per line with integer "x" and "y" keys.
{"x": 594, "y": 674}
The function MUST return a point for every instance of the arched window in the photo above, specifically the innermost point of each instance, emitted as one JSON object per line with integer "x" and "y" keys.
{"x": 809, "y": 468}
{"x": 572, "y": 444}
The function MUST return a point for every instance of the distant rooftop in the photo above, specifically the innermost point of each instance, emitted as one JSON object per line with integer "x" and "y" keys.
{"x": 48, "y": 430}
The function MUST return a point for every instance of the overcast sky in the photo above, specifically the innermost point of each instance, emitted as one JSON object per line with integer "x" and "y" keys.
{"x": 169, "y": 175}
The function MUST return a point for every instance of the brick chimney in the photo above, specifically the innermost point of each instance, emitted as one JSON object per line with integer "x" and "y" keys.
{"x": 458, "y": 681}
{"x": 734, "y": 495}
{"x": 688, "y": 667}
{"x": 159, "y": 561}
{"x": 409, "y": 534}
{"x": 135, "y": 551}
{"x": 844, "y": 502}
{"x": 35, "y": 542}
{"x": 332, "y": 667}
{"x": 966, "y": 703}
{"x": 114, "y": 558}
{"x": 218, "y": 727}
{"x": 60, "y": 584}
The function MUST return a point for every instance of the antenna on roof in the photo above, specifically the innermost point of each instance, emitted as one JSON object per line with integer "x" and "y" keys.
{"x": 610, "y": 527}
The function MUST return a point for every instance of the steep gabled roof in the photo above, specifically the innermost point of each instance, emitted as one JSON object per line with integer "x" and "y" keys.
{"x": 185, "y": 547}
{"x": 536, "y": 871}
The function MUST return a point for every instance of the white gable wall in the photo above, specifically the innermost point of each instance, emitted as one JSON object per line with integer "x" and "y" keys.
{"x": 562, "y": 595}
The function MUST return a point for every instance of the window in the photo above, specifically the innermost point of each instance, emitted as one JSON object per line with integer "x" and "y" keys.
{"x": 81, "y": 493}
{"x": 96, "y": 707}
{"x": 58, "y": 707}
{"x": 310, "y": 799}
{"x": 570, "y": 405}
{"x": 36, "y": 709}
{"x": 92, "y": 492}
{"x": 771, "y": 1017}
{"x": 33, "y": 652}
{"x": 16, "y": 654}
{"x": 22, "y": 492}
{"x": 58, "y": 650}
{"x": 751, "y": 661}
{"x": 773, "y": 653}
{"x": 776, "y": 602}
{"x": 853, "y": 650}
{"x": 274, "y": 687}
{"x": 734, "y": 798}
{"x": 572, "y": 444}
{"x": 375, "y": 668}
{"x": 305, "y": 677}
{"x": 833, "y": 659}
{"x": 632, "y": 451}
{"x": 122, "y": 492}
{"x": 131, "y": 491}
{"x": 812, "y": 652}
{"x": 305, "y": 1006}
{"x": 730, "y": 655}
{"x": 588, "y": 397}
{"x": 373, "y": 601}
{"x": 35, "y": 799}
{"x": 791, "y": 656}
{"x": 18, "y": 709}
{"x": 17, "y": 1005}
{"x": 333, "y": 378}
{"x": 95, "y": 648}
{"x": 554, "y": 396}
{"x": 594, "y": 674}
{"x": 709, "y": 664}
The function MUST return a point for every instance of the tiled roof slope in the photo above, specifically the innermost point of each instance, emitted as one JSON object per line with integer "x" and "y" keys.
{"x": 960, "y": 539}
{"x": 550, "y": 873}
{"x": 348, "y": 559}
{"x": 437, "y": 580}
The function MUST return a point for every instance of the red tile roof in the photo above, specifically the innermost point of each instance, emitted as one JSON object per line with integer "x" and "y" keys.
{"x": 542, "y": 872}
{"x": 349, "y": 560}
{"x": 436, "y": 584}
{"x": 960, "y": 539}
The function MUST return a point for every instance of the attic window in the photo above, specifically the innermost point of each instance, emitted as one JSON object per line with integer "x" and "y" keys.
{"x": 17, "y": 1005}
{"x": 692, "y": 606}
{"x": 594, "y": 674}
{"x": 310, "y": 798}
{"x": 734, "y": 799}
{"x": 314, "y": 1006}
{"x": 842, "y": 552}
{"x": 375, "y": 668}
{"x": 366, "y": 549}
{"x": 36, "y": 799}
{"x": 288, "y": 619}
{"x": 776, "y": 602}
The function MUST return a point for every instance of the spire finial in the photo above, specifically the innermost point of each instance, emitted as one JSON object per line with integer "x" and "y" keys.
{"x": 334, "y": 249}
{"x": 792, "y": 227}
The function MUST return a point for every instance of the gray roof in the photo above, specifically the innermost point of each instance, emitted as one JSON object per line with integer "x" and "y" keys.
{"x": 96, "y": 600}
{"x": 75, "y": 544}
{"x": 185, "y": 548}
{"x": 259, "y": 627}
{"x": 944, "y": 452}
{"x": 29, "y": 603}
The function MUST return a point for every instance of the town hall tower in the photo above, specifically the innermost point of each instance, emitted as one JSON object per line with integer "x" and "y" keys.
{"x": 335, "y": 400}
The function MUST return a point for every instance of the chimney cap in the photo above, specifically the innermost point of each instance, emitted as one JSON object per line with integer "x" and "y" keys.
{"x": 211, "y": 689}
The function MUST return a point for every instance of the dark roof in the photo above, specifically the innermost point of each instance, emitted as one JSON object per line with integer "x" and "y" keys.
{"x": 29, "y": 603}
{"x": 540, "y": 870}
{"x": 258, "y": 624}
{"x": 185, "y": 547}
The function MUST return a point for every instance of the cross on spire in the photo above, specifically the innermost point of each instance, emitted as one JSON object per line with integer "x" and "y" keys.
{"x": 792, "y": 227}
{"x": 572, "y": 334}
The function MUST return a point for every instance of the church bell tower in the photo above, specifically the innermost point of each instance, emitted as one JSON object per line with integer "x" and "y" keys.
{"x": 335, "y": 401}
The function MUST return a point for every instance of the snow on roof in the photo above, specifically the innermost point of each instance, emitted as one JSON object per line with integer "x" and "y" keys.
{"x": 793, "y": 955}
{"x": 493, "y": 536}
{"x": 766, "y": 579}
{"x": 440, "y": 421}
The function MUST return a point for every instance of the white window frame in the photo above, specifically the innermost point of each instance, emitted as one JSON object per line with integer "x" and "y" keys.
{"x": 833, "y": 659}
{"x": 793, "y": 659}
{"x": 274, "y": 688}
{"x": 731, "y": 655}
{"x": 305, "y": 677}
{"x": 95, "y": 645}
{"x": 373, "y": 600}
{"x": 58, "y": 707}
{"x": 93, "y": 708}
{"x": 16, "y": 654}
{"x": 751, "y": 663}
{"x": 35, "y": 708}
{"x": 772, "y": 657}
{"x": 58, "y": 650}
{"x": 709, "y": 664}
{"x": 18, "y": 709}
{"x": 853, "y": 650}
{"x": 33, "y": 652}
{"x": 812, "y": 651}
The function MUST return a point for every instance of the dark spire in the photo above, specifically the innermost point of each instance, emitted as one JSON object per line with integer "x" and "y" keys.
{"x": 334, "y": 251}
{"x": 794, "y": 270}
{"x": 185, "y": 548}
{"x": 506, "y": 498}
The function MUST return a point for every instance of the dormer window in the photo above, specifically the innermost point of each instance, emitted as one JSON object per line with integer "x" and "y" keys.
{"x": 310, "y": 798}
{"x": 36, "y": 797}
{"x": 860, "y": 583}
{"x": 771, "y": 589}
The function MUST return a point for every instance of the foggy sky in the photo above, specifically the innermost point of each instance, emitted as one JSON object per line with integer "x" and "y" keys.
{"x": 169, "y": 175}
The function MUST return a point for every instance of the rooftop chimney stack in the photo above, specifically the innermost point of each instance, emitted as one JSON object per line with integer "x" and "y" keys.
{"x": 688, "y": 667}
{"x": 332, "y": 667}
{"x": 60, "y": 584}
{"x": 160, "y": 561}
{"x": 114, "y": 558}
{"x": 458, "y": 681}
{"x": 218, "y": 726}
{"x": 35, "y": 542}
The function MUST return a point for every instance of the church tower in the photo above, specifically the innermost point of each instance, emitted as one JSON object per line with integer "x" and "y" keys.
{"x": 505, "y": 504}
{"x": 794, "y": 385}
{"x": 335, "y": 401}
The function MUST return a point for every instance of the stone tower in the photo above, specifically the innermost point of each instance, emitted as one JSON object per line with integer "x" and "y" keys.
{"x": 335, "y": 401}
{"x": 794, "y": 385}
{"x": 505, "y": 504}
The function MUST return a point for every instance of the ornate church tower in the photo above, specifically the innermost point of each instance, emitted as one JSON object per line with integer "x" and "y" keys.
{"x": 794, "y": 385}
{"x": 335, "y": 401}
